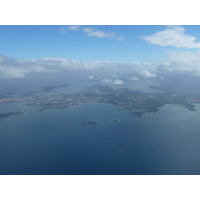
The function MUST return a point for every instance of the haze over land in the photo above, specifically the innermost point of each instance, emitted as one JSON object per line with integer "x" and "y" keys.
{"x": 100, "y": 99}
{"x": 143, "y": 58}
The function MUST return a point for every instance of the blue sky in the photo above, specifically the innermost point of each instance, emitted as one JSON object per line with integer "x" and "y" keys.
{"x": 34, "y": 42}
{"x": 145, "y": 51}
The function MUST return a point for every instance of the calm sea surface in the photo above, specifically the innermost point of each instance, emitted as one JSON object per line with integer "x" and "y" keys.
{"x": 55, "y": 142}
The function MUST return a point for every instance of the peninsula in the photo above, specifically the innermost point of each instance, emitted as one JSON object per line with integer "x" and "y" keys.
{"x": 122, "y": 98}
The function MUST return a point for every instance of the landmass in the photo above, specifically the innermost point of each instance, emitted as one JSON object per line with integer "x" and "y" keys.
{"x": 122, "y": 98}
{"x": 51, "y": 88}
{"x": 31, "y": 93}
{"x": 154, "y": 87}
{"x": 11, "y": 113}
{"x": 139, "y": 113}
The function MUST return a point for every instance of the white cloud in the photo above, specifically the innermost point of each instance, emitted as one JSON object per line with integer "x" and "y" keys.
{"x": 115, "y": 76}
{"x": 90, "y": 77}
{"x": 146, "y": 74}
{"x": 107, "y": 80}
{"x": 115, "y": 82}
{"x": 177, "y": 62}
{"x": 173, "y": 36}
{"x": 62, "y": 30}
{"x": 120, "y": 38}
{"x": 134, "y": 78}
{"x": 11, "y": 73}
{"x": 74, "y": 28}
{"x": 182, "y": 62}
{"x": 10, "y": 67}
{"x": 100, "y": 34}
{"x": 118, "y": 82}
{"x": 87, "y": 30}
{"x": 92, "y": 32}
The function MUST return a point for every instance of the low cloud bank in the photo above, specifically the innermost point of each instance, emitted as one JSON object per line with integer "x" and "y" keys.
{"x": 177, "y": 62}
{"x": 118, "y": 82}
{"x": 115, "y": 82}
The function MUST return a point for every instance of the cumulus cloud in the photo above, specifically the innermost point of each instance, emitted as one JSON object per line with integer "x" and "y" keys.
{"x": 133, "y": 78}
{"x": 100, "y": 34}
{"x": 11, "y": 73}
{"x": 182, "y": 62}
{"x": 74, "y": 28}
{"x": 146, "y": 74}
{"x": 115, "y": 82}
{"x": 62, "y": 30}
{"x": 107, "y": 80}
{"x": 90, "y": 77}
{"x": 173, "y": 36}
{"x": 10, "y": 67}
{"x": 118, "y": 82}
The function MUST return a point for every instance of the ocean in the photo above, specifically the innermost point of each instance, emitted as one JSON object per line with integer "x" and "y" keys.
{"x": 55, "y": 142}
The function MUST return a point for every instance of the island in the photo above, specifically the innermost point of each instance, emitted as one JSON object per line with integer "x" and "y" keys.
{"x": 11, "y": 113}
{"x": 90, "y": 123}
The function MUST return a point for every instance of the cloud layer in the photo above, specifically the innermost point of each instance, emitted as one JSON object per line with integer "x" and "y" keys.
{"x": 177, "y": 62}
{"x": 12, "y": 68}
{"x": 185, "y": 62}
{"x": 173, "y": 36}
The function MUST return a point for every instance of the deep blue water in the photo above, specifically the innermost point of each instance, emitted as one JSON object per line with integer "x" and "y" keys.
{"x": 55, "y": 142}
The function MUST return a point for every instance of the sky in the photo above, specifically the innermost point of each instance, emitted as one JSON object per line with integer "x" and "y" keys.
{"x": 83, "y": 43}
{"x": 146, "y": 51}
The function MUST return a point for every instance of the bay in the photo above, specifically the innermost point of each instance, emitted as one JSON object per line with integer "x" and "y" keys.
{"x": 56, "y": 142}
